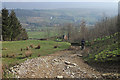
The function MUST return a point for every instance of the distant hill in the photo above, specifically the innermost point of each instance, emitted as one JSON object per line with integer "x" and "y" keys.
{"x": 47, "y": 14}
{"x": 52, "y": 17}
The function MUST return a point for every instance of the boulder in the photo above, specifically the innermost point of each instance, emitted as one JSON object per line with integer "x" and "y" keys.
{"x": 59, "y": 77}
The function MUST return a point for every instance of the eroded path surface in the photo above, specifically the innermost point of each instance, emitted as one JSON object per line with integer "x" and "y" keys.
{"x": 62, "y": 64}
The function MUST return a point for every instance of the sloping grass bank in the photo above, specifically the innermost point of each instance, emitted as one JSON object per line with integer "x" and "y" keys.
{"x": 104, "y": 49}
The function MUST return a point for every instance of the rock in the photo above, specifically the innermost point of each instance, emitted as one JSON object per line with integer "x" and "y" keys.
{"x": 89, "y": 75}
{"x": 33, "y": 75}
{"x": 73, "y": 73}
{"x": 15, "y": 66}
{"x": 93, "y": 69}
{"x": 96, "y": 77}
{"x": 46, "y": 76}
{"x": 74, "y": 64}
{"x": 106, "y": 74}
{"x": 11, "y": 68}
{"x": 55, "y": 60}
{"x": 68, "y": 63}
{"x": 79, "y": 55}
{"x": 72, "y": 76}
{"x": 69, "y": 66}
{"x": 93, "y": 74}
{"x": 59, "y": 76}
{"x": 85, "y": 72}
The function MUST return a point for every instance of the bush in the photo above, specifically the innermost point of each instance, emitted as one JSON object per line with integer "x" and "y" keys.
{"x": 55, "y": 46}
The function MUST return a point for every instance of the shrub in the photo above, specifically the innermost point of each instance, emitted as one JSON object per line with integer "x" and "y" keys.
{"x": 55, "y": 46}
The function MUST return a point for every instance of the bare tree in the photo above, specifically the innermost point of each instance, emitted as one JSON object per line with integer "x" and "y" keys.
{"x": 83, "y": 30}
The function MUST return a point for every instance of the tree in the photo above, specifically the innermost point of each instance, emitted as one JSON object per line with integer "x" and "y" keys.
{"x": 0, "y": 27}
{"x": 5, "y": 24}
{"x": 11, "y": 27}
{"x": 0, "y": 24}
{"x": 83, "y": 30}
{"x": 23, "y": 35}
{"x": 15, "y": 26}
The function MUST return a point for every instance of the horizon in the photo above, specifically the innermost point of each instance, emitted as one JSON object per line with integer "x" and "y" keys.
{"x": 59, "y": 5}
{"x": 61, "y": 1}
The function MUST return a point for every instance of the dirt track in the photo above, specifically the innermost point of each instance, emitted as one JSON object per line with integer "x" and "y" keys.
{"x": 62, "y": 64}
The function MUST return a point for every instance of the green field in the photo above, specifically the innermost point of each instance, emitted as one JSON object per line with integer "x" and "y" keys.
{"x": 42, "y": 34}
{"x": 45, "y": 32}
{"x": 14, "y": 48}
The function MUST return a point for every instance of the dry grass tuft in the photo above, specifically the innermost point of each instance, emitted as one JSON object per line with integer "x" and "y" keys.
{"x": 21, "y": 49}
{"x": 39, "y": 55}
{"x": 31, "y": 46}
{"x": 28, "y": 53}
{"x": 27, "y": 48}
{"x": 0, "y": 55}
{"x": 11, "y": 56}
{"x": 38, "y": 47}
{"x": 7, "y": 55}
{"x": 4, "y": 48}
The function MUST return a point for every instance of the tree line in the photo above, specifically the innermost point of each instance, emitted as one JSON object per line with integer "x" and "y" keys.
{"x": 106, "y": 27}
{"x": 11, "y": 28}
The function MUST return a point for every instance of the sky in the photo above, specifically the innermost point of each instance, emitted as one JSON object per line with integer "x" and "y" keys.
{"x": 59, "y": 0}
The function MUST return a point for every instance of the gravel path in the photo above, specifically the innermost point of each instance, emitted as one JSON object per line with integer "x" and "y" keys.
{"x": 62, "y": 64}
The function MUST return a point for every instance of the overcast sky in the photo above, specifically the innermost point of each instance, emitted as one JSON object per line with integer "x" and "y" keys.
{"x": 59, "y": 0}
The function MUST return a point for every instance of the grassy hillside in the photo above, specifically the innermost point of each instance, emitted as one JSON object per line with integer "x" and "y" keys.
{"x": 104, "y": 49}
{"x": 12, "y": 53}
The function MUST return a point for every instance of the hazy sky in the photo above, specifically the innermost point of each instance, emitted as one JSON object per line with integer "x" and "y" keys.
{"x": 59, "y": 0}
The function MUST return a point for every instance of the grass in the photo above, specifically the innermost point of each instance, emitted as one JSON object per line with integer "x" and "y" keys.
{"x": 41, "y": 34}
{"x": 14, "y": 48}
{"x": 104, "y": 49}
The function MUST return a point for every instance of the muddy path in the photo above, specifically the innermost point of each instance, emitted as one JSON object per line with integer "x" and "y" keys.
{"x": 62, "y": 64}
